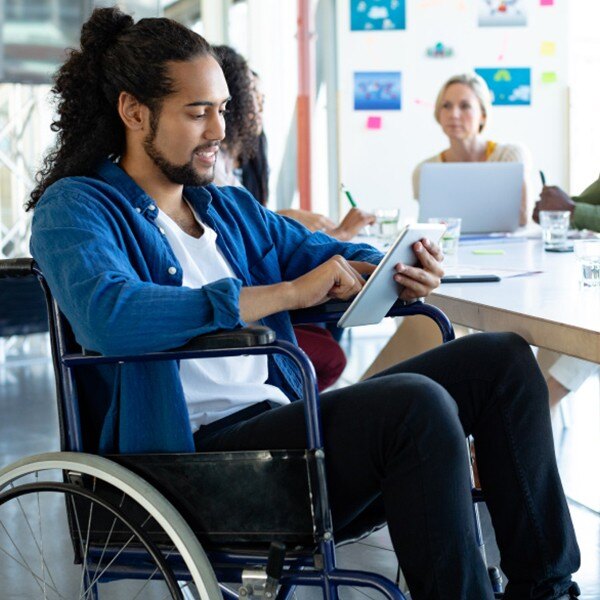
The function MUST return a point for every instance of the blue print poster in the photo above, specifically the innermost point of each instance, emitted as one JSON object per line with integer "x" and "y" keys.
{"x": 372, "y": 15}
{"x": 509, "y": 87}
{"x": 377, "y": 90}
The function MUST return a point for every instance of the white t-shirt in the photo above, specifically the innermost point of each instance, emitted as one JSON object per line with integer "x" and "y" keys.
{"x": 214, "y": 387}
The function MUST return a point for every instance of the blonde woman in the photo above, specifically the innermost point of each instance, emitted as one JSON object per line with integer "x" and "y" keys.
{"x": 462, "y": 109}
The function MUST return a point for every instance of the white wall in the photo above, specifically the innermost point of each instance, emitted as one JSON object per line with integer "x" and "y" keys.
{"x": 377, "y": 165}
{"x": 267, "y": 39}
{"x": 584, "y": 67}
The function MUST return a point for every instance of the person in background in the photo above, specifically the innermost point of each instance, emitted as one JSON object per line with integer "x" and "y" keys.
{"x": 584, "y": 209}
{"x": 565, "y": 374}
{"x": 248, "y": 146}
{"x": 245, "y": 147}
{"x": 462, "y": 108}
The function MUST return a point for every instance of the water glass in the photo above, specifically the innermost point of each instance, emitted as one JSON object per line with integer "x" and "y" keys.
{"x": 555, "y": 226}
{"x": 449, "y": 241}
{"x": 588, "y": 257}
{"x": 386, "y": 224}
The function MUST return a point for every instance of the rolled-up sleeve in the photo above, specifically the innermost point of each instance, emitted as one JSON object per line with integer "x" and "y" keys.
{"x": 90, "y": 265}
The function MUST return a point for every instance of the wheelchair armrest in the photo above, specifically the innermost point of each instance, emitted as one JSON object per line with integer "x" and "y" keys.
{"x": 330, "y": 312}
{"x": 15, "y": 268}
{"x": 246, "y": 337}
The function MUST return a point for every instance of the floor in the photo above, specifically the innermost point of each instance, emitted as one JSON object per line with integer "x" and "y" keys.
{"x": 29, "y": 425}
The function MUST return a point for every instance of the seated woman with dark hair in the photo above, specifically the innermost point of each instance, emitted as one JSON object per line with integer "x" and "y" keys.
{"x": 242, "y": 161}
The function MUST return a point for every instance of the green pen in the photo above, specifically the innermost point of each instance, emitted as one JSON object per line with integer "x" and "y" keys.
{"x": 349, "y": 196}
{"x": 491, "y": 252}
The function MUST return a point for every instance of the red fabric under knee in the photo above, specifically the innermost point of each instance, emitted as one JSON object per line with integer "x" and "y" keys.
{"x": 324, "y": 352}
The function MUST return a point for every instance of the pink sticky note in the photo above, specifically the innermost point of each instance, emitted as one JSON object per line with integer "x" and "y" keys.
{"x": 374, "y": 123}
{"x": 546, "y": 2}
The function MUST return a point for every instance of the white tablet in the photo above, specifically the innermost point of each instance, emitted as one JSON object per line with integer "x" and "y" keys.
{"x": 381, "y": 291}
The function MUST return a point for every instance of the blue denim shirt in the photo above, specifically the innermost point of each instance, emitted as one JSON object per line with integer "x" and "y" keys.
{"x": 119, "y": 284}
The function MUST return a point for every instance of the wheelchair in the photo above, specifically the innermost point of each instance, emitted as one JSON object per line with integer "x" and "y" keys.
{"x": 249, "y": 524}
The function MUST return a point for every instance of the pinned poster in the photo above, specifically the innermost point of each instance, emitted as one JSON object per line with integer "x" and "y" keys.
{"x": 376, "y": 90}
{"x": 546, "y": 2}
{"x": 502, "y": 13}
{"x": 509, "y": 87}
{"x": 374, "y": 123}
{"x": 548, "y": 49}
{"x": 549, "y": 77}
{"x": 377, "y": 15}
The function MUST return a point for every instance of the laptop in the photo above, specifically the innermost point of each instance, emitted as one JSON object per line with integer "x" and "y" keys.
{"x": 485, "y": 195}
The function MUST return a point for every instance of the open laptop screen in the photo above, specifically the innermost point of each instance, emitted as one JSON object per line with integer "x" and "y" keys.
{"x": 485, "y": 195}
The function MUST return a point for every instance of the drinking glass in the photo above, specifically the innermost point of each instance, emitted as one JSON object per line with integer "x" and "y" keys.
{"x": 588, "y": 257}
{"x": 386, "y": 224}
{"x": 449, "y": 241}
{"x": 555, "y": 226}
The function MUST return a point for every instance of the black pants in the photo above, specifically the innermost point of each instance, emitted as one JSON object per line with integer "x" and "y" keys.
{"x": 395, "y": 452}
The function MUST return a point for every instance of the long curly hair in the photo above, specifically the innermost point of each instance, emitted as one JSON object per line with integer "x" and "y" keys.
{"x": 241, "y": 137}
{"x": 115, "y": 55}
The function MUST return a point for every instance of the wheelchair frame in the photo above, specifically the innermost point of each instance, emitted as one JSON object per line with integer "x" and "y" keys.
{"x": 314, "y": 566}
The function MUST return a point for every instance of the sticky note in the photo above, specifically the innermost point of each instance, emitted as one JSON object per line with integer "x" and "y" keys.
{"x": 546, "y": 2}
{"x": 485, "y": 252}
{"x": 374, "y": 123}
{"x": 548, "y": 49}
{"x": 549, "y": 77}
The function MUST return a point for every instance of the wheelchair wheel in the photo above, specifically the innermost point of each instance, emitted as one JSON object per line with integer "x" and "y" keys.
{"x": 80, "y": 526}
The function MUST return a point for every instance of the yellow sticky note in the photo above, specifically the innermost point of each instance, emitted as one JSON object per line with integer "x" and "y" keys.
{"x": 549, "y": 77}
{"x": 548, "y": 49}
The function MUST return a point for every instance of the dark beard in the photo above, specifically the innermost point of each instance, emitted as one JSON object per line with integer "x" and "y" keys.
{"x": 180, "y": 174}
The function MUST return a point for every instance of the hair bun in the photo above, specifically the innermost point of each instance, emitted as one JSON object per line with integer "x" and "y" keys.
{"x": 103, "y": 28}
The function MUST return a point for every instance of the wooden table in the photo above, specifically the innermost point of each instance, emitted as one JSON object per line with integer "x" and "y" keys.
{"x": 549, "y": 309}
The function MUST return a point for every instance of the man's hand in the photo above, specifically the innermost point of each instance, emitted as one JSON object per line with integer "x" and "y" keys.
{"x": 421, "y": 281}
{"x": 552, "y": 198}
{"x": 335, "y": 278}
{"x": 310, "y": 220}
{"x": 351, "y": 224}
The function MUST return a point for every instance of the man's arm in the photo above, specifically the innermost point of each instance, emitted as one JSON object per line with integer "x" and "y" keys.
{"x": 335, "y": 278}
{"x": 111, "y": 304}
{"x": 300, "y": 251}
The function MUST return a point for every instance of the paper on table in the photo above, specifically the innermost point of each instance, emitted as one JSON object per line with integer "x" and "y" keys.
{"x": 502, "y": 272}
{"x": 494, "y": 238}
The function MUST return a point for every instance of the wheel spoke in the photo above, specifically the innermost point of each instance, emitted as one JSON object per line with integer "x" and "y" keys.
{"x": 41, "y": 539}
{"x": 110, "y": 532}
{"x": 35, "y": 576}
{"x": 97, "y": 578}
{"x": 80, "y": 539}
{"x": 87, "y": 543}
{"x": 34, "y": 538}
{"x": 152, "y": 574}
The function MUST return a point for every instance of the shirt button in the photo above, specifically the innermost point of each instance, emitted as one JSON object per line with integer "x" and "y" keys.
{"x": 152, "y": 207}
{"x": 138, "y": 210}
{"x": 172, "y": 270}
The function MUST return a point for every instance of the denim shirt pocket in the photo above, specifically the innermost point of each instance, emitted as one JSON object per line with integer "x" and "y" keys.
{"x": 265, "y": 270}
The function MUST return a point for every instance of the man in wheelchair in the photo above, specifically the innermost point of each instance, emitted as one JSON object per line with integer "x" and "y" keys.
{"x": 143, "y": 254}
